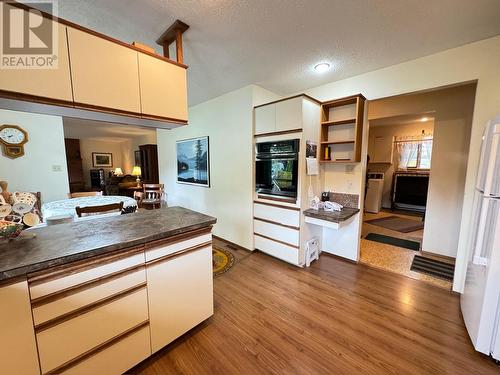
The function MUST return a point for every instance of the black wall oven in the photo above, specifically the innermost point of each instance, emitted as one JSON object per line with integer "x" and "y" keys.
{"x": 277, "y": 167}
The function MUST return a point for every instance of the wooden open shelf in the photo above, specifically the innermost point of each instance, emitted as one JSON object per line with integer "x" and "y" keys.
{"x": 339, "y": 122}
{"x": 342, "y": 119}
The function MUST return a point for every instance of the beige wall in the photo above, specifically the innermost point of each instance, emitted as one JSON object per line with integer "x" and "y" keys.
{"x": 43, "y": 167}
{"x": 475, "y": 61}
{"x": 394, "y": 130}
{"x": 132, "y": 145}
{"x": 88, "y": 146}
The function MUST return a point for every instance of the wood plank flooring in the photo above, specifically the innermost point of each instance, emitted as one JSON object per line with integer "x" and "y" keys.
{"x": 333, "y": 318}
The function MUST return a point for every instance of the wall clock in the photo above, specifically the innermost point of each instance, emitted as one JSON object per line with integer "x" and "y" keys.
{"x": 13, "y": 139}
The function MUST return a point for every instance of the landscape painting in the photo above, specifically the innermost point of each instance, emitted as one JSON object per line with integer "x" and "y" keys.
{"x": 193, "y": 162}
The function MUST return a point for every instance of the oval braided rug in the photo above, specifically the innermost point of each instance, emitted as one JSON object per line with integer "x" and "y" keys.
{"x": 222, "y": 261}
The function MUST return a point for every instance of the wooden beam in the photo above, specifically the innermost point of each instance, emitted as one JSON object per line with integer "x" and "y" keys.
{"x": 173, "y": 34}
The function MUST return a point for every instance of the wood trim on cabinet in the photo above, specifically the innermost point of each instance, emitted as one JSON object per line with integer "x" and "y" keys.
{"x": 179, "y": 237}
{"x": 277, "y": 205}
{"x": 284, "y": 200}
{"x": 278, "y": 133}
{"x": 63, "y": 270}
{"x": 63, "y": 293}
{"x": 94, "y": 33}
{"x": 97, "y": 349}
{"x": 288, "y": 98}
{"x": 275, "y": 240}
{"x": 87, "y": 308}
{"x": 162, "y": 118}
{"x": 178, "y": 253}
{"x": 276, "y": 223}
{"x": 76, "y": 105}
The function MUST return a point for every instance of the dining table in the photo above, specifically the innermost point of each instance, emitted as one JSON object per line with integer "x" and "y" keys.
{"x": 67, "y": 207}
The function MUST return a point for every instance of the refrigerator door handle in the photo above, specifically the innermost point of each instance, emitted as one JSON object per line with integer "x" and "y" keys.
{"x": 486, "y": 232}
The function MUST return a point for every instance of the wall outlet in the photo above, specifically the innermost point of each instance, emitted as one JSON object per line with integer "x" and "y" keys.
{"x": 56, "y": 168}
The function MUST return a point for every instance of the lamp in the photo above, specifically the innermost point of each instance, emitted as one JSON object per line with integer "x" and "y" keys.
{"x": 118, "y": 172}
{"x": 137, "y": 172}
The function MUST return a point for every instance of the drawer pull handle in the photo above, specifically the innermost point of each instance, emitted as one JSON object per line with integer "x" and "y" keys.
{"x": 87, "y": 308}
{"x": 43, "y": 300}
{"x": 178, "y": 253}
{"x": 96, "y": 350}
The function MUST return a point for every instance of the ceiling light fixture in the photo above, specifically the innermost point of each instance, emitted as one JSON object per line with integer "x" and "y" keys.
{"x": 424, "y": 119}
{"x": 322, "y": 67}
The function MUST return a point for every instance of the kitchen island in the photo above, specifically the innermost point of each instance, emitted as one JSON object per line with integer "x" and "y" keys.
{"x": 101, "y": 295}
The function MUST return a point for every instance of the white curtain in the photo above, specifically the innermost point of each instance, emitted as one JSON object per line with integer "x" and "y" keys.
{"x": 414, "y": 151}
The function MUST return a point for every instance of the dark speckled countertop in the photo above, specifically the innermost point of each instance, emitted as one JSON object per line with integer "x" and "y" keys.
{"x": 64, "y": 243}
{"x": 335, "y": 216}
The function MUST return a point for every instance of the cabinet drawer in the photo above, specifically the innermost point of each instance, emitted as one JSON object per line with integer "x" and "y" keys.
{"x": 66, "y": 303}
{"x": 82, "y": 272}
{"x": 279, "y": 215}
{"x": 287, "y": 253}
{"x": 116, "y": 359}
{"x": 64, "y": 342}
{"x": 278, "y": 232}
{"x": 168, "y": 248}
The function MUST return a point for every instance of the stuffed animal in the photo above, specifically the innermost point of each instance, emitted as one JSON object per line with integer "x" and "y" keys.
{"x": 3, "y": 191}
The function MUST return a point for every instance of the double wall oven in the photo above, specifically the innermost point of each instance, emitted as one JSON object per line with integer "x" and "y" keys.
{"x": 277, "y": 167}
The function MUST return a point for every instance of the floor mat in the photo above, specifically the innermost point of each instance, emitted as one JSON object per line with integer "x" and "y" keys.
{"x": 222, "y": 261}
{"x": 433, "y": 267}
{"x": 399, "y": 242}
{"x": 399, "y": 224}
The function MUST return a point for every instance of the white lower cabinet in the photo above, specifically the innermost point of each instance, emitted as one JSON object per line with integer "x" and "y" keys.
{"x": 17, "y": 336}
{"x": 180, "y": 291}
{"x": 118, "y": 358}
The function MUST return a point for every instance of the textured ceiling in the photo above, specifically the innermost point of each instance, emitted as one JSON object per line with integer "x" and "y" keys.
{"x": 275, "y": 43}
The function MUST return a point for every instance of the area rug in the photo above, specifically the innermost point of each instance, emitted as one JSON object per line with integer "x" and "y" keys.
{"x": 399, "y": 224}
{"x": 433, "y": 267}
{"x": 222, "y": 261}
{"x": 388, "y": 240}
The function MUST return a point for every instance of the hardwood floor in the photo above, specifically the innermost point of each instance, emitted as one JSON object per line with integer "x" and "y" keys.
{"x": 333, "y": 318}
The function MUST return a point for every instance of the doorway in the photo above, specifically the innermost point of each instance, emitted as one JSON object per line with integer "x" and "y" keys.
{"x": 417, "y": 149}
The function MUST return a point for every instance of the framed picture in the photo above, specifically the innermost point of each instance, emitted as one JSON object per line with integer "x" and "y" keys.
{"x": 102, "y": 160}
{"x": 193, "y": 163}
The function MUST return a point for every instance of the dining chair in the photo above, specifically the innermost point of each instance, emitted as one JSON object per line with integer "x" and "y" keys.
{"x": 96, "y": 210}
{"x": 152, "y": 195}
{"x": 85, "y": 194}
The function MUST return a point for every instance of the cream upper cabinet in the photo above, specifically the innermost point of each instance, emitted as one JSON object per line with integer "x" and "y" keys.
{"x": 46, "y": 83}
{"x": 289, "y": 114}
{"x": 104, "y": 74}
{"x": 19, "y": 353}
{"x": 381, "y": 149}
{"x": 180, "y": 294}
{"x": 265, "y": 119}
{"x": 163, "y": 88}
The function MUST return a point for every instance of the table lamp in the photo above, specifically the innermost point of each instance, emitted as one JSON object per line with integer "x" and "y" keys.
{"x": 137, "y": 172}
{"x": 118, "y": 172}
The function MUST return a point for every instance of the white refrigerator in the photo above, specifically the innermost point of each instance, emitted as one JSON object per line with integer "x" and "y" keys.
{"x": 480, "y": 301}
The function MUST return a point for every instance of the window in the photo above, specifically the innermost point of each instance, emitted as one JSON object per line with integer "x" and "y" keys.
{"x": 414, "y": 152}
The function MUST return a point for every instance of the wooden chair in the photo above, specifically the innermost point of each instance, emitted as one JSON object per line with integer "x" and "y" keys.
{"x": 152, "y": 195}
{"x": 85, "y": 194}
{"x": 104, "y": 209}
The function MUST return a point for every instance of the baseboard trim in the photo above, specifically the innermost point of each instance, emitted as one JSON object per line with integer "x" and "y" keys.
{"x": 231, "y": 243}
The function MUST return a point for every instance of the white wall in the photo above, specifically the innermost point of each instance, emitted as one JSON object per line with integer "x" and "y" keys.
{"x": 45, "y": 149}
{"x": 475, "y": 61}
{"x": 227, "y": 121}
